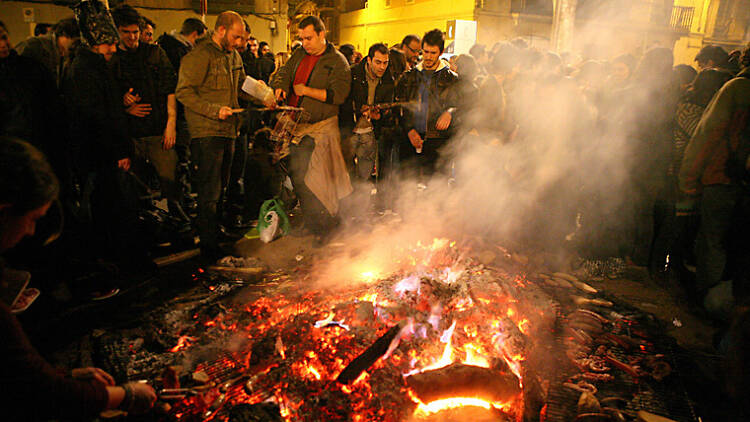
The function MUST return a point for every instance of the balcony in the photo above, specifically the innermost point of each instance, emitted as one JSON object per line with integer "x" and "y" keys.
{"x": 681, "y": 19}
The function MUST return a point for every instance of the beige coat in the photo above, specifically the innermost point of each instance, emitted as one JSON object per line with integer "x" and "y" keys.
{"x": 326, "y": 175}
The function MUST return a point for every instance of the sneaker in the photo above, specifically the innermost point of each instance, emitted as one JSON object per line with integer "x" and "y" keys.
{"x": 105, "y": 294}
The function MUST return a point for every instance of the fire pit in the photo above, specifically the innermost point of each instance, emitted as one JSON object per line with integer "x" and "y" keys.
{"x": 441, "y": 337}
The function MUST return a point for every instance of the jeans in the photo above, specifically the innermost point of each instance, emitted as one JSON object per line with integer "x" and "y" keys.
{"x": 364, "y": 148}
{"x": 212, "y": 159}
{"x": 149, "y": 150}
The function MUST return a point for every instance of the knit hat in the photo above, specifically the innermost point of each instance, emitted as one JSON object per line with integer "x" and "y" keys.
{"x": 96, "y": 23}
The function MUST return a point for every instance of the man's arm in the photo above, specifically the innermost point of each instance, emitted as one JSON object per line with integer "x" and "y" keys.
{"x": 337, "y": 86}
{"x": 193, "y": 69}
{"x": 282, "y": 80}
{"x": 711, "y": 131}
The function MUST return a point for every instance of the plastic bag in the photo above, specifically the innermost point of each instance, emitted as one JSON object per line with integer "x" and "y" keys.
{"x": 272, "y": 221}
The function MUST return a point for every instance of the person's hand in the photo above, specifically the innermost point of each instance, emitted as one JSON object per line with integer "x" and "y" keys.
{"x": 129, "y": 98}
{"x": 415, "y": 139}
{"x": 686, "y": 205}
{"x": 124, "y": 164}
{"x": 225, "y": 112}
{"x": 170, "y": 137}
{"x": 139, "y": 110}
{"x": 375, "y": 113}
{"x": 93, "y": 374}
{"x": 142, "y": 398}
{"x": 280, "y": 94}
{"x": 300, "y": 90}
{"x": 443, "y": 121}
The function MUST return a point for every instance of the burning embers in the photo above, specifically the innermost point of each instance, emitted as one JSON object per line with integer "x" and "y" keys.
{"x": 443, "y": 332}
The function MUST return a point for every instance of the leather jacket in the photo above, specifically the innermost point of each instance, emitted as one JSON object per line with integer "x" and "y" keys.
{"x": 384, "y": 93}
{"x": 443, "y": 96}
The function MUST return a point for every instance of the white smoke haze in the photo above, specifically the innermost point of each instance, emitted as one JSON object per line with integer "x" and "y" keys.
{"x": 560, "y": 187}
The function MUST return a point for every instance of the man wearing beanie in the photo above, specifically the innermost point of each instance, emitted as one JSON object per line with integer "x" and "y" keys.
{"x": 100, "y": 144}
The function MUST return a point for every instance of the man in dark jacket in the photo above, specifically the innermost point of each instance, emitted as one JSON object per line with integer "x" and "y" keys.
{"x": 177, "y": 45}
{"x": 371, "y": 85}
{"x": 51, "y": 49}
{"x": 147, "y": 79}
{"x": 100, "y": 143}
{"x": 30, "y": 107}
{"x": 317, "y": 78}
{"x": 432, "y": 85}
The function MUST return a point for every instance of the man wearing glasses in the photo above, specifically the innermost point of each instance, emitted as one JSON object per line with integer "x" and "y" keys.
{"x": 412, "y": 48}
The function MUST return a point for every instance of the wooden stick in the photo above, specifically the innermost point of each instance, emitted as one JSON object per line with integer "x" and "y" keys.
{"x": 369, "y": 356}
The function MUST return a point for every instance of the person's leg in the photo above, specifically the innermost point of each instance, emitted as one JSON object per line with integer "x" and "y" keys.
{"x": 366, "y": 152}
{"x": 236, "y": 183}
{"x": 208, "y": 157}
{"x": 717, "y": 206}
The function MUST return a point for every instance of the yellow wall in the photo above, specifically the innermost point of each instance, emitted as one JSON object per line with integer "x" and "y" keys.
{"x": 165, "y": 19}
{"x": 378, "y": 23}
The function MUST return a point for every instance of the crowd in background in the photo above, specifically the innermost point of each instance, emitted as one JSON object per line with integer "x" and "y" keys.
{"x": 153, "y": 140}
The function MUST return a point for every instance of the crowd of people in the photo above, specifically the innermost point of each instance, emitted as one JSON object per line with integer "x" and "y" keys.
{"x": 121, "y": 115}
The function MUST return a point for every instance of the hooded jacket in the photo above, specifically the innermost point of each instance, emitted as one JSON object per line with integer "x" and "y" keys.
{"x": 331, "y": 73}
{"x": 721, "y": 125}
{"x": 442, "y": 97}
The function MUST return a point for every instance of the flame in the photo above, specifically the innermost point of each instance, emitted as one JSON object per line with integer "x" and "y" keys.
{"x": 369, "y": 297}
{"x": 368, "y": 276}
{"x": 426, "y": 409}
{"x": 182, "y": 343}
{"x": 523, "y": 326}
{"x": 474, "y": 356}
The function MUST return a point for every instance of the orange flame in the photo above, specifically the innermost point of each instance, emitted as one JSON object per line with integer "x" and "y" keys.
{"x": 182, "y": 343}
{"x": 426, "y": 409}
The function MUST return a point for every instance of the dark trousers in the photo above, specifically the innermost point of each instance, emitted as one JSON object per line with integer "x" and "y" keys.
{"x": 182, "y": 148}
{"x": 719, "y": 206}
{"x": 212, "y": 159}
{"x": 237, "y": 179}
{"x": 316, "y": 217}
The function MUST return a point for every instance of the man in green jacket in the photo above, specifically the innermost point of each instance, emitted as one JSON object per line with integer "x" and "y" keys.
{"x": 208, "y": 86}
{"x": 317, "y": 78}
{"x": 723, "y": 202}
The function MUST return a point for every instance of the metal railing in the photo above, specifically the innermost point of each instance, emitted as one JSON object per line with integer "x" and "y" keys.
{"x": 682, "y": 18}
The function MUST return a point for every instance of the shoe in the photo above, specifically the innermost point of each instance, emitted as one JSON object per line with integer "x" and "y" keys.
{"x": 105, "y": 294}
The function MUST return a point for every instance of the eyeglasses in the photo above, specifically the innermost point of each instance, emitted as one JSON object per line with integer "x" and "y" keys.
{"x": 417, "y": 52}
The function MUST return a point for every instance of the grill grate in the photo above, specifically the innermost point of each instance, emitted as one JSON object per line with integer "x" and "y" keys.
{"x": 667, "y": 397}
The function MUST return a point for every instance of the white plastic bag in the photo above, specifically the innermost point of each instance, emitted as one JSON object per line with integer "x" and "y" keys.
{"x": 268, "y": 233}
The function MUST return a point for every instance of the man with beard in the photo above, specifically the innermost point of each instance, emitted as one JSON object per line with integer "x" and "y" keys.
{"x": 208, "y": 86}
{"x": 411, "y": 47}
{"x": 317, "y": 78}
{"x": 432, "y": 85}
{"x": 146, "y": 75}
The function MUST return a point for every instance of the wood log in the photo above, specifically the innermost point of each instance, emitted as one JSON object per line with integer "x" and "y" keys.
{"x": 369, "y": 356}
{"x": 459, "y": 380}
{"x": 644, "y": 416}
